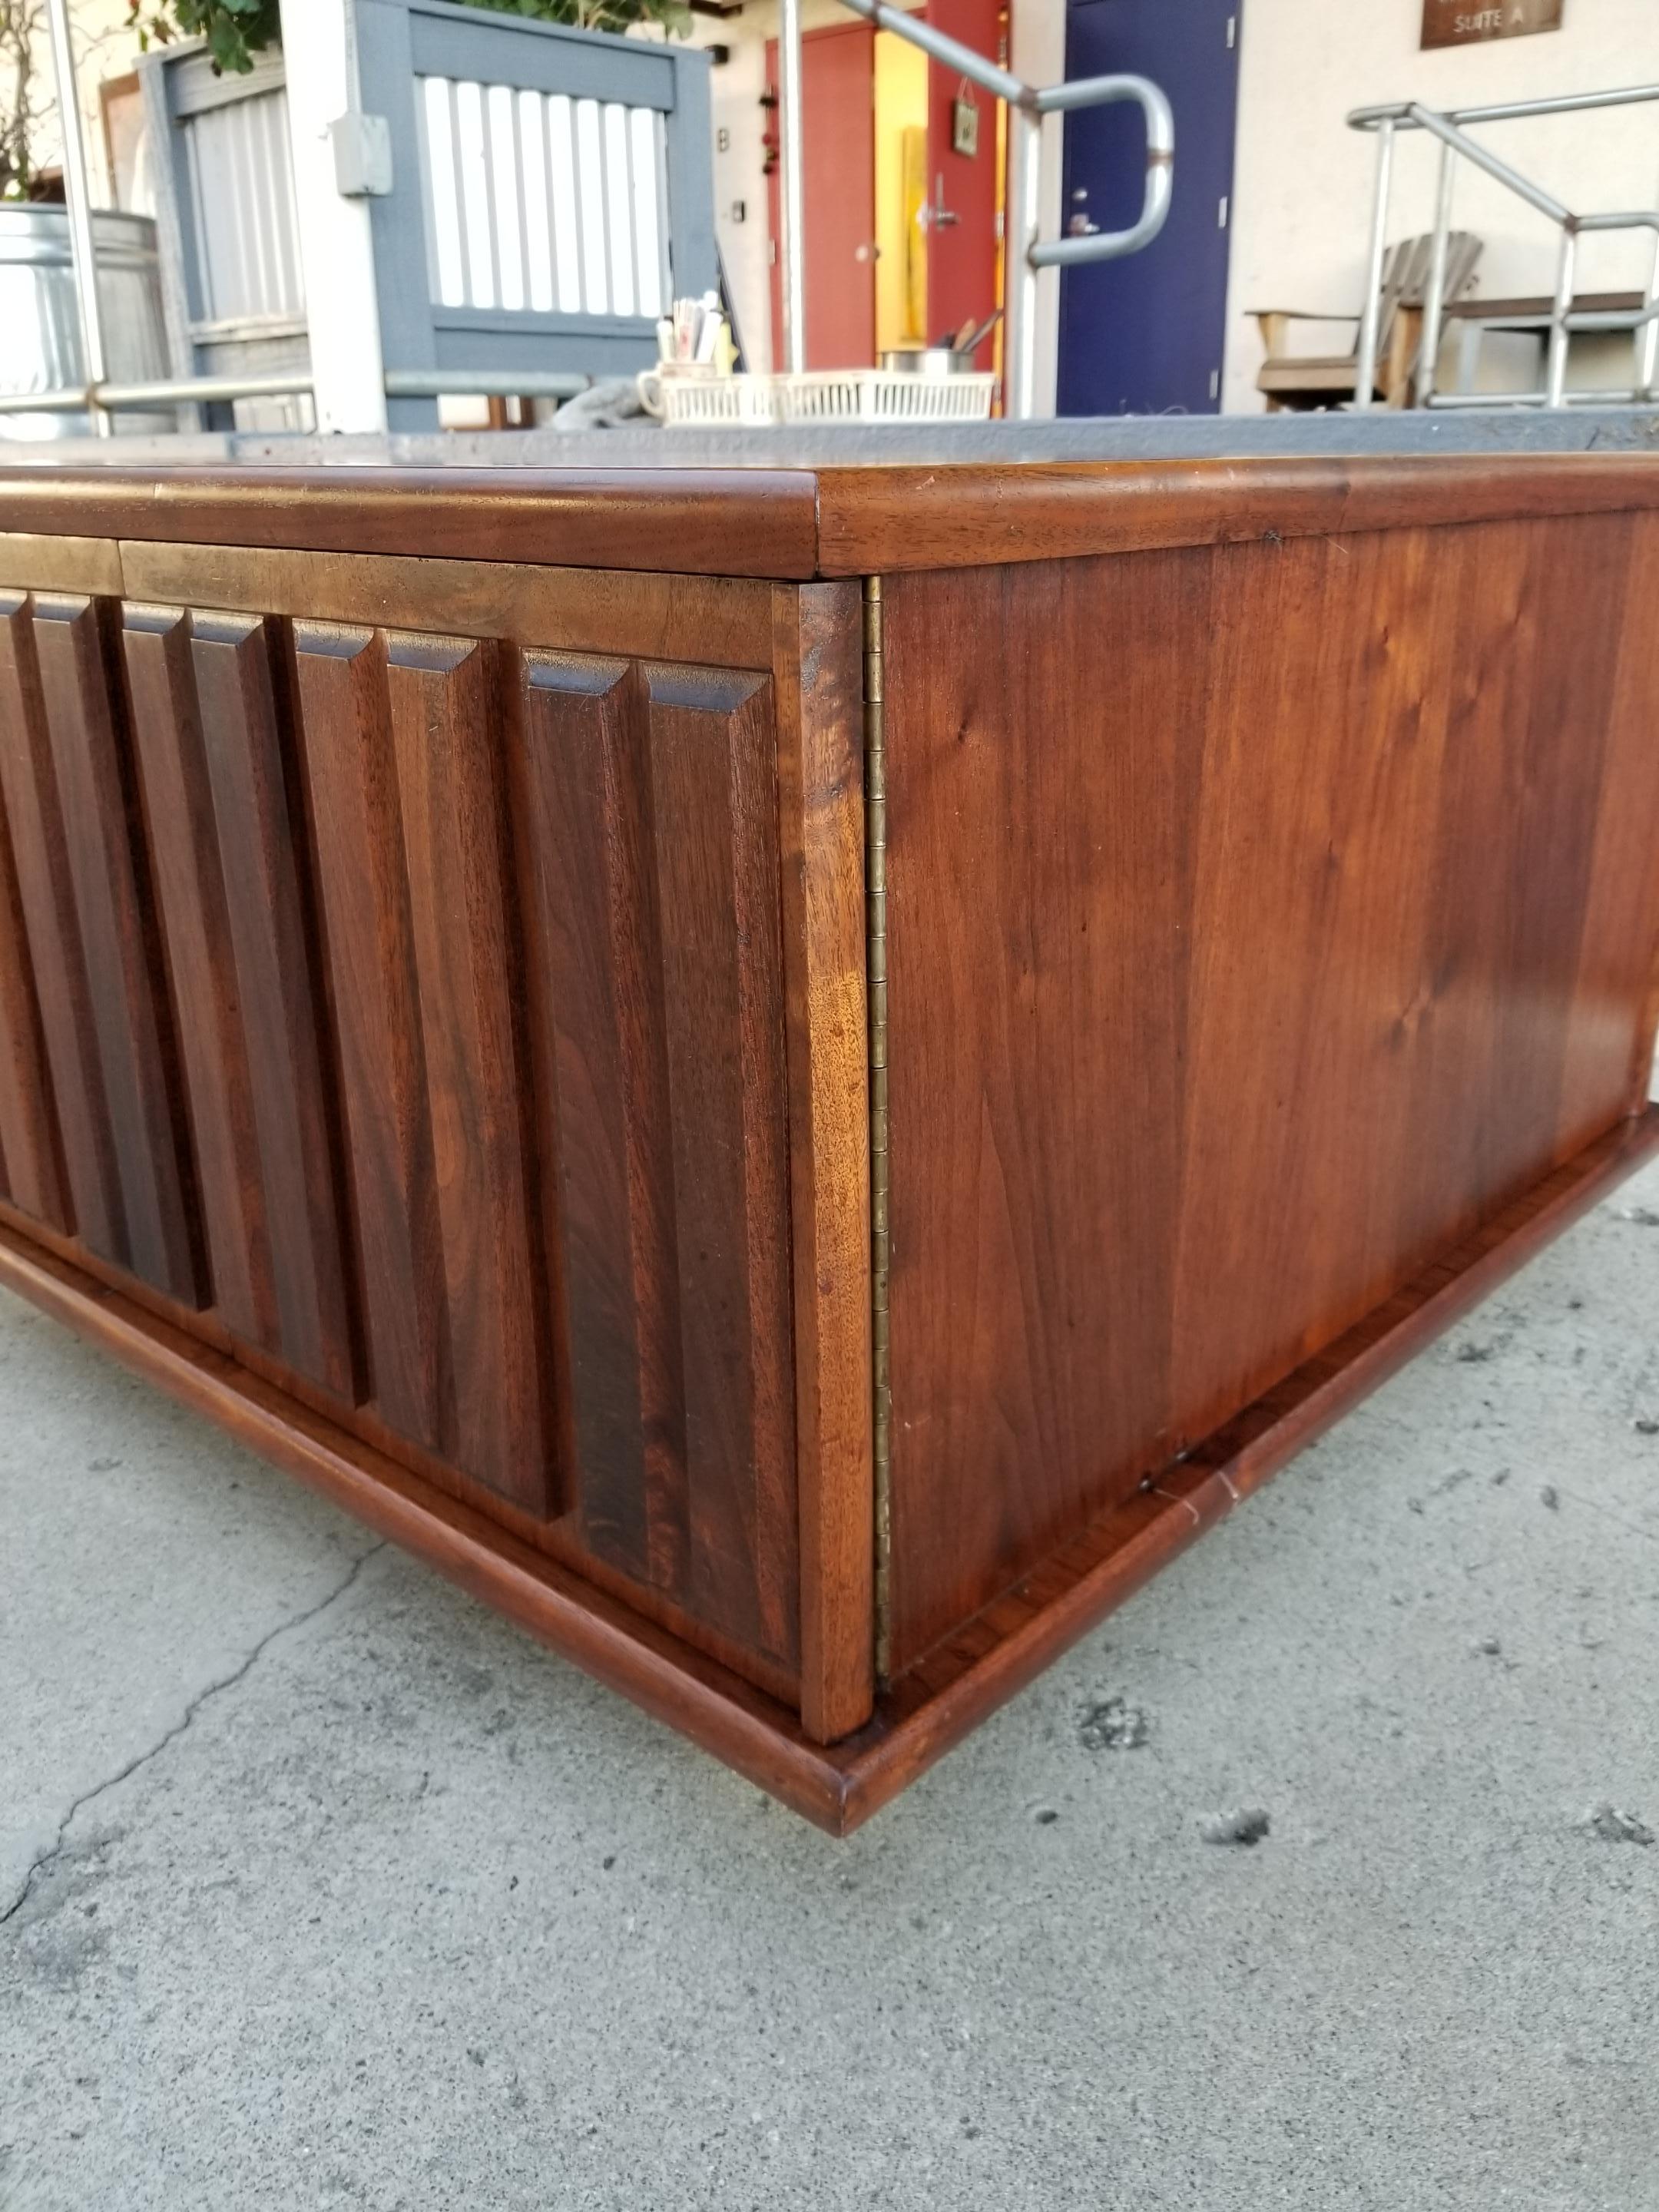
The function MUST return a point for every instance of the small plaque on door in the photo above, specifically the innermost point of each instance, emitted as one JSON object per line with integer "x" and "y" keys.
{"x": 964, "y": 125}
{"x": 1466, "y": 23}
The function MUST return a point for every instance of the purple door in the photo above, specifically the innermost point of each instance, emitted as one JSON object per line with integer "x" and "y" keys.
{"x": 1146, "y": 335}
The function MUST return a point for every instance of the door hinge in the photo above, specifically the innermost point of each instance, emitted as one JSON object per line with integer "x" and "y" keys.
{"x": 1215, "y": 384}
{"x": 1221, "y": 212}
{"x": 1232, "y": 33}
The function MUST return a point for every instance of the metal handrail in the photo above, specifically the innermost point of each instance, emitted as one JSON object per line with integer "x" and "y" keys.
{"x": 400, "y": 384}
{"x": 1027, "y": 106}
{"x": 1448, "y": 128}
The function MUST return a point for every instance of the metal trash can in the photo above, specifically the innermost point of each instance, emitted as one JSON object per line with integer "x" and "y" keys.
{"x": 40, "y": 331}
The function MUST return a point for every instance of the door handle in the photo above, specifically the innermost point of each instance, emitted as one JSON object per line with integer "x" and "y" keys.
{"x": 939, "y": 217}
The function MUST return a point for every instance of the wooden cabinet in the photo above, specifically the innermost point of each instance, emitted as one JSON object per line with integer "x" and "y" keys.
{"x": 801, "y": 1130}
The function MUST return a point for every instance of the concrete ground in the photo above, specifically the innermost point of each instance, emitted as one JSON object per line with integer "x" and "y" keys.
{"x": 325, "y": 1887}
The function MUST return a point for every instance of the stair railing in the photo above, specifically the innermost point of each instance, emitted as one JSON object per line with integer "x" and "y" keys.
{"x": 1455, "y": 144}
{"x": 1027, "y": 252}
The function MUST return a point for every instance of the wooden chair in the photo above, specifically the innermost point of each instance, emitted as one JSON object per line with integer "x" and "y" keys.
{"x": 1304, "y": 380}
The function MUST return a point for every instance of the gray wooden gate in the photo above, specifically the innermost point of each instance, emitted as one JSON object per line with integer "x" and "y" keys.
{"x": 551, "y": 191}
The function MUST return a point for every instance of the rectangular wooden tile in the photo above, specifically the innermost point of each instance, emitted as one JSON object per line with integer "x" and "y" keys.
{"x": 714, "y": 820}
{"x": 227, "y": 877}
{"x": 583, "y": 808}
{"x": 647, "y": 802}
{"x": 400, "y": 748}
{"x": 31, "y": 1169}
{"x": 83, "y": 879}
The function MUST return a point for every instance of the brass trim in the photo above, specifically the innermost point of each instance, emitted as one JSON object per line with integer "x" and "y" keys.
{"x": 875, "y": 818}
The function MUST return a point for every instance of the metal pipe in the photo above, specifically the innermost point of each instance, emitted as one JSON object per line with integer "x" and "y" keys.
{"x": 162, "y": 391}
{"x": 486, "y": 383}
{"x": 1639, "y": 402}
{"x": 82, "y": 253}
{"x": 950, "y": 52}
{"x": 1571, "y": 103}
{"x": 1555, "y": 376}
{"x": 791, "y": 197}
{"x": 1428, "y": 359}
{"x": 1612, "y": 318}
{"x": 1483, "y": 158}
{"x": 1364, "y": 373}
{"x": 1621, "y": 219}
{"x": 1647, "y": 361}
{"x": 1112, "y": 244}
{"x": 1021, "y": 220}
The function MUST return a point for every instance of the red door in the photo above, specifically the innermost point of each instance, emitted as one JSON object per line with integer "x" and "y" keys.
{"x": 838, "y": 165}
{"x": 961, "y": 245}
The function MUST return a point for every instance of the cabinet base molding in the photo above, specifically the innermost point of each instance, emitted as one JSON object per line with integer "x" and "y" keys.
{"x": 956, "y": 1685}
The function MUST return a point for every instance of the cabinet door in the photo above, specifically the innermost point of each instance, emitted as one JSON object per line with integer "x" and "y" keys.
{"x": 398, "y": 978}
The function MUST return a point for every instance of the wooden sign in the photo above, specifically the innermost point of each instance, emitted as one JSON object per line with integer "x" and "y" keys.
{"x": 1468, "y": 23}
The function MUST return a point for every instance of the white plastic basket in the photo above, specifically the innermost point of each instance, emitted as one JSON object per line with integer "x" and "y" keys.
{"x": 883, "y": 395}
{"x": 692, "y": 397}
{"x": 695, "y": 395}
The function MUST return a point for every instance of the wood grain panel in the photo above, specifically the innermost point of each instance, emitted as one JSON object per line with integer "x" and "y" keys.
{"x": 1239, "y": 930}
{"x": 85, "y": 899}
{"x": 400, "y": 742}
{"x": 583, "y": 804}
{"x": 31, "y": 1168}
{"x": 714, "y": 779}
{"x": 877, "y": 520}
{"x": 647, "y": 804}
{"x": 227, "y": 879}
{"x": 723, "y": 620}
{"x": 704, "y": 521}
{"x": 819, "y": 636}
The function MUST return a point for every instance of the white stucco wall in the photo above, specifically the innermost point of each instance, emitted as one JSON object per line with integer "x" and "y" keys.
{"x": 1303, "y": 179}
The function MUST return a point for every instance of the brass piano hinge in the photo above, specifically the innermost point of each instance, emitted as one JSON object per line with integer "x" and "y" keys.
{"x": 875, "y": 817}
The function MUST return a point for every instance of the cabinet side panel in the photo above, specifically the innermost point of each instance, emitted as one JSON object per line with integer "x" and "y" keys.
{"x": 1262, "y": 919}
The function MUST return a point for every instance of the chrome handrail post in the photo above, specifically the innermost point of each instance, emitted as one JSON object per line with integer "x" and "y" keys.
{"x": 82, "y": 251}
{"x": 791, "y": 194}
{"x": 1434, "y": 299}
{"x": 1647, "y": 354}
{"x": 1020, "y": 278}
{"x": 1364, "y": 375}
{"x": 1555, "y": 381}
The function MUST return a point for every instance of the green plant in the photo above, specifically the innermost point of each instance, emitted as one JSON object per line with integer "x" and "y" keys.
{"x": 236, "y": 30}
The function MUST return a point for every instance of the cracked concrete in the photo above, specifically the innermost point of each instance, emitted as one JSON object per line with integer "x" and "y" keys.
{"x": 333, "y": 1890}
{"x": 238, "y": 1674}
